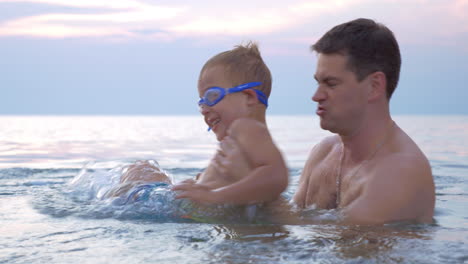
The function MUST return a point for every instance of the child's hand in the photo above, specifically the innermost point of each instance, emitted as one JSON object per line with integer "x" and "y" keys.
{"x": 230, "y": 160}
{"x": 188, "y": 181}
{"x": 198, "y": 193}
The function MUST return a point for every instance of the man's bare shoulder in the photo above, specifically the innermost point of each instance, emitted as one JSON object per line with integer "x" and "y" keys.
{"x": 323, "y": 148}
{"x": 402, "y": 183}
{"x": 405, "y": 159}
{"x": 410, "y": 167}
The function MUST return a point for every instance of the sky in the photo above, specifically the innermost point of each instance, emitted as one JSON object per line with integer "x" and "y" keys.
{"x": 141, "y": 57}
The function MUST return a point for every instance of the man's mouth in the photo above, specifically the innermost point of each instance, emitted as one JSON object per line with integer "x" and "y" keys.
{"x": 320, "y": 111}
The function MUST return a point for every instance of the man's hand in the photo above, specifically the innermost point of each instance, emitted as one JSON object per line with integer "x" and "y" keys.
{"x": 198, "y": 193}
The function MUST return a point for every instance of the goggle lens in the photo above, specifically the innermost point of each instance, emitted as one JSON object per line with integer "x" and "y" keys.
{"x": 212, "y": 96}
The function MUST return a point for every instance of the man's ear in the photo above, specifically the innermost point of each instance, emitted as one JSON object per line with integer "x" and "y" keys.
{"x": 378, "y": 86}
{"x": 251, "y": 96}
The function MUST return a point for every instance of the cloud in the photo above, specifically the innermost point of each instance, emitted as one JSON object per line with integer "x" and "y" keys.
{"x": 413, "y": 19}
{"x": 115, "y": 4}
{"x": 261, "y": 21}
{"x": 427, "y": 22}
{"x": 123, "y": 18}
{"x": 126, "y": 16}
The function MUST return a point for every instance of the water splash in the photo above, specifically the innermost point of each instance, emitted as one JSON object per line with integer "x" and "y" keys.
{"x": 91, "y": 194}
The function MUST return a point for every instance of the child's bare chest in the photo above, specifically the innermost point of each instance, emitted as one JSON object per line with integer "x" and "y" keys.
{"x": 214, "y": 178}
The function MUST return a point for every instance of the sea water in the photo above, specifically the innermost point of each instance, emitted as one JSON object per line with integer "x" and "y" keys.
{"x": 52, "y": 169}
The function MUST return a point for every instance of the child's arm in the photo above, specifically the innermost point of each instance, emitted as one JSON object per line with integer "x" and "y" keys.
{"x": 265, "y": 182}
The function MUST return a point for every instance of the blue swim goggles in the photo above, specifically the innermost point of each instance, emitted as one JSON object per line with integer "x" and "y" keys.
{"x": 213, "y": 95}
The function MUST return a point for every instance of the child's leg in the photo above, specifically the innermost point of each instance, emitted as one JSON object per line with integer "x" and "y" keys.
{"x": 144, "y": 171}
{"x": 141, "y": 172}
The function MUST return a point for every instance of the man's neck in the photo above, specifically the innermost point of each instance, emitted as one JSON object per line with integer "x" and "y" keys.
{"x": 366, "y": 139}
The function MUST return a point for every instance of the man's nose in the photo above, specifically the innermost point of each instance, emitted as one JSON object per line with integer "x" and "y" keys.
{"x": 319, "y": 95}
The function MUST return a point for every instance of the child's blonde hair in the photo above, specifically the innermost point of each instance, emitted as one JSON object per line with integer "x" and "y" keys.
{"x": 243, "y": 64}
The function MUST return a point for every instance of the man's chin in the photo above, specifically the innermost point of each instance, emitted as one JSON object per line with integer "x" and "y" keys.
{"x": 323, "y": 124}
{"x": 326, "y": 126}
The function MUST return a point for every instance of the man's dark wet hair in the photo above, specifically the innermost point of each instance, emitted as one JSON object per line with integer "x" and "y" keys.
{"x": 368, "y": 46}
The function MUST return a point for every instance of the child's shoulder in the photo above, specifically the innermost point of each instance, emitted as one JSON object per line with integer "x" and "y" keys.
{"x": 247, "y": 125}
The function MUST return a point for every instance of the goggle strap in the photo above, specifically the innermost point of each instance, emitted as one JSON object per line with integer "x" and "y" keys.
{"x": 261, "y": 97}
{"x": 243, "y": 87}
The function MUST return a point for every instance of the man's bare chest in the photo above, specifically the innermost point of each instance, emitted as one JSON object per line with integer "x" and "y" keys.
{"x": 322, "y": 187}
{"x": 352, "y": 181}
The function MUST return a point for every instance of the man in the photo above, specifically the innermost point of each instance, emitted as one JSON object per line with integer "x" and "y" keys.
{"x": 371, "y": 169}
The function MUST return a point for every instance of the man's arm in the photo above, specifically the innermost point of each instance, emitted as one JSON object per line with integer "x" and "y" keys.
{"x": 265, "y": 182}
{"x": 401, "y": 190}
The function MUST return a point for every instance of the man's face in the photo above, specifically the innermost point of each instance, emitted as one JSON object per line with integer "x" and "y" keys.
{"x": 220, "y": 116}
{"x": 341, "y": 98}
